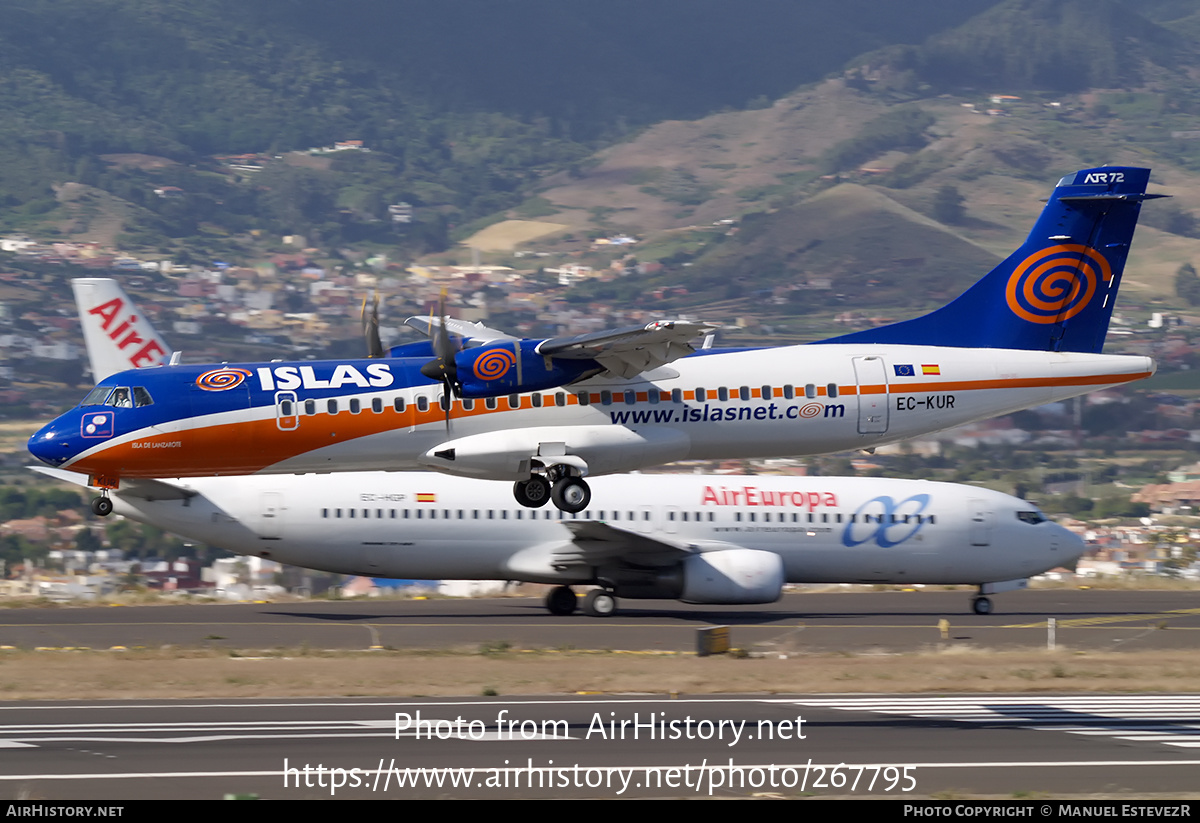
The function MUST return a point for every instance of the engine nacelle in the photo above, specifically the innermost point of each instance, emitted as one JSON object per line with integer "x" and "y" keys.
{"x": 511, "y": 454}
{"x": 514, "y": 367}
{"x": 733, "y": 576}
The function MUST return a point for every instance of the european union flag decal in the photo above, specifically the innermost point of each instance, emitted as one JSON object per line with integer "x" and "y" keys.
{"x": 97, "y": 424}
{"x": 904, "y": 371}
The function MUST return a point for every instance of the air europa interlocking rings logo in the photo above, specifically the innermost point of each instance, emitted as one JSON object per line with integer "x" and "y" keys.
{"x": 221, "y": 379}
{"x": 810, "y": 410}
{"x": 882, "y": 520}
{"x": 494, "y": 364}
{"x": 1055, "y": 283}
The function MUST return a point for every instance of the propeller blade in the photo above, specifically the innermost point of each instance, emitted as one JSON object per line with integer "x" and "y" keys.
{"x": 443, "y": 367}
{"x": 370, "y": 325}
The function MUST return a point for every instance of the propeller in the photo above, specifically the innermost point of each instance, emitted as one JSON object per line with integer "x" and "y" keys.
{"x": 442, "y": 367}
{"x": 370, "y": 327}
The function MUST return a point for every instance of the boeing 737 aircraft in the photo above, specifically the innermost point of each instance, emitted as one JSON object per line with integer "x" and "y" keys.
{"x": 546, "y": 413}
{"x": 701, "y": 539}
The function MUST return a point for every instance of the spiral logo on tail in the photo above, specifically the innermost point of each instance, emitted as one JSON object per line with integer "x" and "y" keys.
{"x": 221, "y": 379}
{"x": 1055, "y": 283}
{"x": 494, "y": 364}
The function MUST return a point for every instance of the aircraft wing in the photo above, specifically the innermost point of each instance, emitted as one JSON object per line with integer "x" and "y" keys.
{"x": 473, "y": 334}
{"x": 595, "y": 543}
{"x": 629, "y": 351}
{"x": 145, "y": 488}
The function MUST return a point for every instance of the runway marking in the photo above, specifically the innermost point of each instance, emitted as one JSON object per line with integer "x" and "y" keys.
{"x": 1173, "y": 720}
{"x": 18, "y": 735}
{"x": 1097, "y": 621}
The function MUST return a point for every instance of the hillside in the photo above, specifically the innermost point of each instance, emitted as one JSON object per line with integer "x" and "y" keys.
{"x": 877, "y": 125}
{"x": 461, "y": 108}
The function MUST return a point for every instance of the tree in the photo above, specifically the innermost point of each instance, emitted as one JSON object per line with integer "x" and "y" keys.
{"x": 948, "y": 205}
{"x": 1187, "y": 284}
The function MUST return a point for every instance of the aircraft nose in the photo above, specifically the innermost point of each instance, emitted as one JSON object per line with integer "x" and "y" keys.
{"x": 1070, "y": 546}
{"x": 51, "y": 444}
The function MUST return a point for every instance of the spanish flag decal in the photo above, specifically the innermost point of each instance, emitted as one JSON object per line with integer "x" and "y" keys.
{"x": 426, "y": 498}
{"x": 931, "y": 369}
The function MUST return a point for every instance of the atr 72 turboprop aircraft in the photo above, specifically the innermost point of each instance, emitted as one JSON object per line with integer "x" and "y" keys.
{"x": 723, "y": 539}
{"x": 546, "y": 413}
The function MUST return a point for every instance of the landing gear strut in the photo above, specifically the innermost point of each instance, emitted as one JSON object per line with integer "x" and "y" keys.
{"x": 102, "y": 506}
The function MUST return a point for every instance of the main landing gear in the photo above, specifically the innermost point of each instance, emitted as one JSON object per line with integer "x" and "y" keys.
{"x": 102, "y": 506}
{"x": 981, "y": 605}
{"x": 561, "y": 601}
{"x": 569, "y": 493}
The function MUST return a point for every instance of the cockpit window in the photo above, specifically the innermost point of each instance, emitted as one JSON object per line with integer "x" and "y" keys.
{"x": 96, "y": 396}
{"x": 1031, "y": 517}
{"x": 120, "y": 398}
{"x": 141, "y": 397}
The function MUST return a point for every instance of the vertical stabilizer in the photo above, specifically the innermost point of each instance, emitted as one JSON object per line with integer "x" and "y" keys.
{"x": 1057, "y": 291}
{"x": 116, "y": 334}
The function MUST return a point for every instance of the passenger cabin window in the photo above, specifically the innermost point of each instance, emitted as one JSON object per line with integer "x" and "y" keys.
{"x": 310, "y": 406}
{"x": 422, "y": 403}
{"x": 377, "y": 405}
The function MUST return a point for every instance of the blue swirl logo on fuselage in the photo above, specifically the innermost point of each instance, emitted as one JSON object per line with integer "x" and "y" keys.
{"x": 883, "y": 521}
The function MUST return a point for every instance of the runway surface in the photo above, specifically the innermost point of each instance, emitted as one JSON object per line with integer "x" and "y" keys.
{"x": 896, "y": 621}
{"x": 879, "y": 746}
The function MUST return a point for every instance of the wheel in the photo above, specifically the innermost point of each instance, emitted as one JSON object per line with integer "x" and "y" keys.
{"x": 561, "y": 601}
{"x": 571, "y": 494}
{"x": 599, "y": 603}
{"x": 982, "y": 605}
{"x": 533, "y": 492}
{"x": 102, "y": 506}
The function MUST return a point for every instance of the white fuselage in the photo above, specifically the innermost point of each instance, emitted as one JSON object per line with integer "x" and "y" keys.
{"x": 428, "y": 526}
{"x": 797, "y": 400}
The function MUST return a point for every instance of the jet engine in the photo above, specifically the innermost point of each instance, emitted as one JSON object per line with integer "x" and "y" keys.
{"x": 727, "y": 577}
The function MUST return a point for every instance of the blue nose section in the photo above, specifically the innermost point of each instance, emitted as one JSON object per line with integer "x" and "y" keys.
{"x": 53, "y": 444}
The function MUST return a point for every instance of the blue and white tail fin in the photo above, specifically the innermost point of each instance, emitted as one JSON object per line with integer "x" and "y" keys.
{"x": 117, "y": 336}
{"x": 1056, "y": 292}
